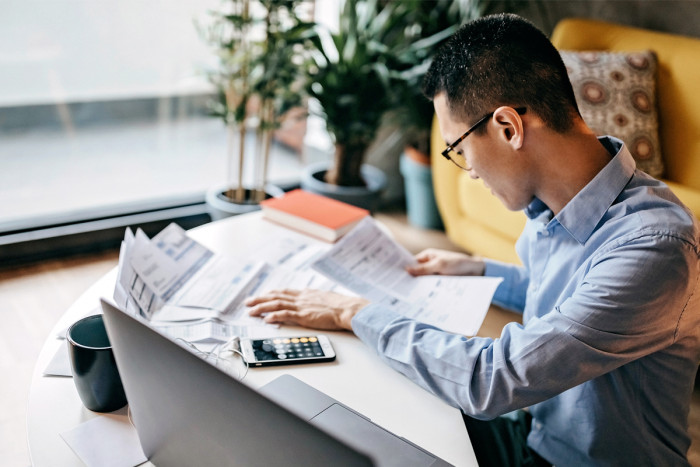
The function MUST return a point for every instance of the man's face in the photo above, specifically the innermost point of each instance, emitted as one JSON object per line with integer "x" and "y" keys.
{"x": 488, "y": 156}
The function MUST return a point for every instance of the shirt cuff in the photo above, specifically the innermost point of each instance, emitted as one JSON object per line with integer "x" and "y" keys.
{"x": 370, "y": 321}
{"x": 506, "y": 295}
{"x": 496, "y": 268}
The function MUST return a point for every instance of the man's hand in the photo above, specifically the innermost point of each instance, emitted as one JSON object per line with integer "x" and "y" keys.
{"x": 450, "y": 263}
{"x": 317, "y": 309}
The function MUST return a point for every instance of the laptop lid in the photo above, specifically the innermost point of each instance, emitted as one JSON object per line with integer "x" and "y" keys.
{"x": 355, "y": 429}
{"x": 188, "y": 412}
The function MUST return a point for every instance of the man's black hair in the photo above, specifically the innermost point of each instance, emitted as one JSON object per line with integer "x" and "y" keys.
{"x": 502, "y": 60}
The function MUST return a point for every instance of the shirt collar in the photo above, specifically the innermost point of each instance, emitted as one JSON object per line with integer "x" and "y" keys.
{"x": 581, "y": 215}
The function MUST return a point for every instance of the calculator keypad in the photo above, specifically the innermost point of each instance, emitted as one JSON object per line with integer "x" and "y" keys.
{"x": 283, "y": 348}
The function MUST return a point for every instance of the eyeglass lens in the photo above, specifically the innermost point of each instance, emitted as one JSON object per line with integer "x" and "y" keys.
{"x": 458, "y": 159}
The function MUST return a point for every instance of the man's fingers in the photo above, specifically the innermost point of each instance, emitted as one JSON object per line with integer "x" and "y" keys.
{"x": 309, "y": 308}
{"x": 424, "y": 256}
{"x": 292, "y": 292}
{"x": 281, "y": 317}
{"x": 310, "y": 318}
{"x": 415, "y": 270}
{"x": 422, "y": 269}
{"x": 272, "y": 305}
{"x": 286, "y": 294}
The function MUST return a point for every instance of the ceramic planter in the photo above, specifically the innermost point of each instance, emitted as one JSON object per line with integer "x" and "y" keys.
{"x": 366, "y": 197}
{"x": 220, "y": 206}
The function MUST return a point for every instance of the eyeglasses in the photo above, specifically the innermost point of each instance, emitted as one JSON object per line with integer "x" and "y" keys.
{"x": 458, "y": 159}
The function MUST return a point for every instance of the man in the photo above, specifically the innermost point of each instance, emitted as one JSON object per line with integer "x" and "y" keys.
{"x": 610, "y": 342}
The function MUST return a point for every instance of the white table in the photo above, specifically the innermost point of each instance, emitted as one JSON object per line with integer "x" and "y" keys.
{"x": 357, "y": 378}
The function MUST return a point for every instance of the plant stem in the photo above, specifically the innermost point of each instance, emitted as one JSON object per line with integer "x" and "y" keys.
{"x": 268, "y": 111}
{"x": 229, "y": 160}
{"x": 240, "y": 192}
{"x": 348, "y": 158}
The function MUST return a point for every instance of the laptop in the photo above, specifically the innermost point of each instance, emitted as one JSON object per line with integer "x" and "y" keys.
{"x": 188, "y": 412}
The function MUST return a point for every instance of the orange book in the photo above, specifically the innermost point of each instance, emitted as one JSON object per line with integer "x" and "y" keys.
{"x": 313, "y": 214}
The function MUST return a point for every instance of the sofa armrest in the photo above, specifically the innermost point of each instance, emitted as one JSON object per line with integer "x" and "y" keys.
{"x": 688, "y": 195}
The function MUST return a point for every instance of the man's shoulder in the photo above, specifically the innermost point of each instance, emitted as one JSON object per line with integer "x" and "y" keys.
{"x": 648, "y": 207}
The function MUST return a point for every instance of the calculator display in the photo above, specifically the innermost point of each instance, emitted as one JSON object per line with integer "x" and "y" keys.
{"x": 281, "y": 350}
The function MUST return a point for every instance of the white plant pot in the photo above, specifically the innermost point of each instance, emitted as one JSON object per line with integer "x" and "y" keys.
{"x": 220, "y": 207}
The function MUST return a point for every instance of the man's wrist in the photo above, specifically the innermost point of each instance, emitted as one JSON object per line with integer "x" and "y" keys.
{"x": 347, "y": 314}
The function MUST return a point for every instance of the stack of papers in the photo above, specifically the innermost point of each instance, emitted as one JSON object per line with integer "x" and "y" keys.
{"x": 192, "y": 293}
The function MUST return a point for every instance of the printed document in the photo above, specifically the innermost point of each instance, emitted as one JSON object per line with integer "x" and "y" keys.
{"x": 192, "y": 293}
{"x": 130, "y": 291}
{"x": 371, "y": 264}
{"x": 189, "y": 292}
{"x": 171, "y": 279}
{"x": 174, "y": 260}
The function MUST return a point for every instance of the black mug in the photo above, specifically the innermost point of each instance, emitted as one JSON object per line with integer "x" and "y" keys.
{"x": 93, "y": 366}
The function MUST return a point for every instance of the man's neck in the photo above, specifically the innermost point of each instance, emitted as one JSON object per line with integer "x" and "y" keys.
{"x": 567, "y": 163}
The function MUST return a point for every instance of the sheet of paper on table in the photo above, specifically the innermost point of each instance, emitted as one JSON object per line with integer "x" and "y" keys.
{"x": 371, "y": 264}
{"x": 109, "y": 440}
{"x": 188, "y": 292}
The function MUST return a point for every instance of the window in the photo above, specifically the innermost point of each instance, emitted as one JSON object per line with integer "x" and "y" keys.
{"x": 103, "y": 108}
{"x": 103, "y": 112}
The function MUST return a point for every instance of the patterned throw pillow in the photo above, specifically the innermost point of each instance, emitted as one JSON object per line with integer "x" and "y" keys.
{"x": 616, "y": 94}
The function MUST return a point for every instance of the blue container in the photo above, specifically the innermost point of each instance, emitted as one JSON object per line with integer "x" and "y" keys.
{"x": 420, "y": 198}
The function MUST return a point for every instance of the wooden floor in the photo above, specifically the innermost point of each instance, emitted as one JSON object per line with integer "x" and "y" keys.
{"x": 34, "y": 297}
{"x": 31, "y": 301}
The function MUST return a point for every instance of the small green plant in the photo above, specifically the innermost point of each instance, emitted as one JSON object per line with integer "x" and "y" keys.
{"x": 262, "y": 47}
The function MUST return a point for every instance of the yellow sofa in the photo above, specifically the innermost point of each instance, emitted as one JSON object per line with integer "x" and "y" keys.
{"x": 477, "y": 221}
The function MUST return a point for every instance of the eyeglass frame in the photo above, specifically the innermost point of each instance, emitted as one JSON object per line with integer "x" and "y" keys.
{"x": 451, "y": 147}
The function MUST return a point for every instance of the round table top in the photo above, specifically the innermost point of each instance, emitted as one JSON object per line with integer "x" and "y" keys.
{"x": 357, "y": 378}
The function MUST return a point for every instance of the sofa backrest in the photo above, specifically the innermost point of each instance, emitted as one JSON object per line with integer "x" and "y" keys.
{"x": 678, "y": 85}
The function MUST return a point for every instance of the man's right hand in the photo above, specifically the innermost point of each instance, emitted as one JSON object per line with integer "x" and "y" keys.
{"x": 450, "y": 263}
{"x": 317, "y": 309}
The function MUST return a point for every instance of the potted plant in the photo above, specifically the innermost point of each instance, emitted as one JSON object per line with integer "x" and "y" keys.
{"x": 361, "y": 72}
{"x": 350, "y": 81}
{"x": 262, "y": 47}
{"x": 429, "y": 25}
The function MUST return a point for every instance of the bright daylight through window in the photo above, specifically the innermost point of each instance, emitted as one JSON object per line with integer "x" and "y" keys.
{"x": 103, "y": 111}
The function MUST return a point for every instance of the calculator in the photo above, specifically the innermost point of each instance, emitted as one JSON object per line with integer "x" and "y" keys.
{"x": 285, "y": 350}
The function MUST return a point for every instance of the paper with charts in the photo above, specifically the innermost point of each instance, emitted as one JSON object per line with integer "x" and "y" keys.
{"x": 192, "y": 293}
{"x": 371, "y": 264}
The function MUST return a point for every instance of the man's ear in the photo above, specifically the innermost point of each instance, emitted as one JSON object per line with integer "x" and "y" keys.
{"x": 510, "y": 126}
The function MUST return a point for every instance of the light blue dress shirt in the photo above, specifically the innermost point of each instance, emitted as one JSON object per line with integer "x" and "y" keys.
{"x": 610, "y": 341}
